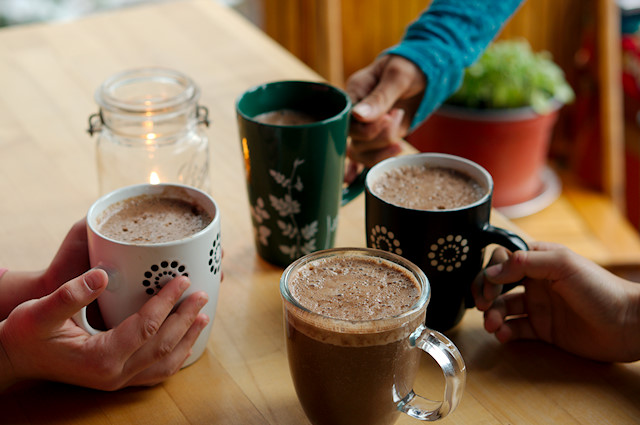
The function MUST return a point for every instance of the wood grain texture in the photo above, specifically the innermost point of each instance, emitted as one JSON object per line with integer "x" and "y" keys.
{"x": 49, "y": 73}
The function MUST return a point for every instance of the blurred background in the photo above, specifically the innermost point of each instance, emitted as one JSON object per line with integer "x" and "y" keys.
{"x": 15, "y": 12}
{"x": 596, "y": 142}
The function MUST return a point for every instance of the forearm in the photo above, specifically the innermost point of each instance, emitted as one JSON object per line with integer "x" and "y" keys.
{"x": 18, "y": 287}
{"x": 448, "y": 37}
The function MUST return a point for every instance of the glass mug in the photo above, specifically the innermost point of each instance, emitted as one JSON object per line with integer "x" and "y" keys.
{"x": 362, "y": 371}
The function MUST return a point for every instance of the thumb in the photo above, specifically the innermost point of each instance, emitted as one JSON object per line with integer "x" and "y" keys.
{"x": 381, "y": 99}
{"x": 54, "y": 309}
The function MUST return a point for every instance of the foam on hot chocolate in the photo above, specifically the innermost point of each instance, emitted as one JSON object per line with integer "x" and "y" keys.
{"x": 361, "y": 292}
{"x": 286, "y": 117}
{"x": 423, "y": 187}
{"x": 148, "y": 219}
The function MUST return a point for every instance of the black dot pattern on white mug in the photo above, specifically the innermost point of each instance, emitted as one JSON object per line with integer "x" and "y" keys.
{"x": 215, "y": 255}
{"x": 159, "y": 274}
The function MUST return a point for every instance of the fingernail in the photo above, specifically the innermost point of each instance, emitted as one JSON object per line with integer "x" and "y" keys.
{"x": 363, "y": 109}
{"x": 185, "y": 284}
{"x": 92, "y": 280}
{"x": 204, "y": 298}
{"x": 398, "y": 116}
{"x": 493, "y": 271}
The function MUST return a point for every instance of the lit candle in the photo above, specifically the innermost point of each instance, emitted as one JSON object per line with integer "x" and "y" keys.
{"x": 150, "y": 138}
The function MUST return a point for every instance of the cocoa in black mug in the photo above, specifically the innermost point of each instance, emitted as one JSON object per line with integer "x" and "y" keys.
{"x": 447, "y": 243}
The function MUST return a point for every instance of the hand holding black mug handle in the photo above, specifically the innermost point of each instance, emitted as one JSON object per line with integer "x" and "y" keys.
{"x": 507, "y": 239}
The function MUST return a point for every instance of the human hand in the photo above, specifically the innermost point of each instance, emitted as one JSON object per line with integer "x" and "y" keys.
{"x": 567, "y": 301}
{"x": 71, "y": 260}
{"x": 39, "y": 340}
{"x": 386, "y": 96}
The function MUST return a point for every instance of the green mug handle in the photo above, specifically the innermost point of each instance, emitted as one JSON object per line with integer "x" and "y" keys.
{"x": 355, "y": 188}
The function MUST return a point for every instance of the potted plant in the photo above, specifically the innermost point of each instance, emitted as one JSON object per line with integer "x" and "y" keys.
{"x": 502, "y": 117}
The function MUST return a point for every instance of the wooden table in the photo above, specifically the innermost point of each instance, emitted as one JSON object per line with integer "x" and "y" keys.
{"x": 48, "y": 74}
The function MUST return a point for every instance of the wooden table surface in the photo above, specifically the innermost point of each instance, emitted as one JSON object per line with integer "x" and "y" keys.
{"x": 48, "y": 74}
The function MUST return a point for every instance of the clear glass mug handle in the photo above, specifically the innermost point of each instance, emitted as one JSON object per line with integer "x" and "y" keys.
{"x": 450, "y": 360}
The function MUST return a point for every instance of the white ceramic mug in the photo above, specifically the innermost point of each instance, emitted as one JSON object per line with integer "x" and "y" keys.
{"x": 138, "y": 271}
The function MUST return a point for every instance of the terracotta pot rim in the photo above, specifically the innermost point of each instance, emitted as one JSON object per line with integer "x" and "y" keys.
{"x": 503, "y": 114}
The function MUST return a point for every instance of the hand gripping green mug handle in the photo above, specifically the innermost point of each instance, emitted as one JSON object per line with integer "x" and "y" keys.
{"x": 355, "y": 188}
{"x": 450, "y": 361}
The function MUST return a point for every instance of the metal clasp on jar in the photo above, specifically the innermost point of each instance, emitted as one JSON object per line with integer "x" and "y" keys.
{"x": 96, "y": 121}
{"x": 202, "y": 113}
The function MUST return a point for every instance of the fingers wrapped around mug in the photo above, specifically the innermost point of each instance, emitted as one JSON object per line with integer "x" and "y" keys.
{"x": 161, "y": 341}
{"x": 484, "y": 289}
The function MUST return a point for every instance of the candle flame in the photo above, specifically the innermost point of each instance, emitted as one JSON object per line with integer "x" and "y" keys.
{"x": 154, "y": 178}
{"x": 150, "y": 138}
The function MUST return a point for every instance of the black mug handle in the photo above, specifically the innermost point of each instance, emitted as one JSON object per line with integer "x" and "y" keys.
{"x": 507, "y": 239}
{"x": 504, "y": 237}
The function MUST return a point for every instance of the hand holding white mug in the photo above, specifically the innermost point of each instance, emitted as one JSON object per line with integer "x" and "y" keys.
{"x": 154, "y": 241}
{"x": 38, "y": 339}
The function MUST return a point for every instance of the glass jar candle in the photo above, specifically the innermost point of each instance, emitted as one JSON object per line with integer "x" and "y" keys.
{"x": 150, "y": 129}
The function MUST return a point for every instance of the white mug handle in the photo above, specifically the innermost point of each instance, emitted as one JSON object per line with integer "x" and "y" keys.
{"x": 450, "y": 360}
{"x": 81, "y": 320}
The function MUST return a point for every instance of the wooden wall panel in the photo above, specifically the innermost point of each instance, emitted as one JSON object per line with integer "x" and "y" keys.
{"x": 363, "y": 27}
{"x": 367, "y": 30}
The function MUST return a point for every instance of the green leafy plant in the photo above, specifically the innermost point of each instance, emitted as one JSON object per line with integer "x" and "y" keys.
{"x": 510, "y": 75}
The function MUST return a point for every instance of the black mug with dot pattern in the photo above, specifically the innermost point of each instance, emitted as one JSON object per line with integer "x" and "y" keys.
{"x": 447, "y": 244}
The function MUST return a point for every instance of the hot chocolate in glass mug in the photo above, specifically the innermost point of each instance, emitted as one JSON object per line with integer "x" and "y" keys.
{"x": 354, "y": 325}
{"x": 145, "y": 235}
{"x": 434, "y": 209}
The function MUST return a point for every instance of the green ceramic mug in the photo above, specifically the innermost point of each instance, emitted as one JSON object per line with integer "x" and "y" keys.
{"x": 294, "y": 142}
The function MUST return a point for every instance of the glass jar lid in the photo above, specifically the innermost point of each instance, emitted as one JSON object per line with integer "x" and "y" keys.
{"x": 145, "y": 90}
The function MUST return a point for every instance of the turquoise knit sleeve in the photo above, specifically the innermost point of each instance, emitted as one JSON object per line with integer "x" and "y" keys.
{"x": 448, "y": 37}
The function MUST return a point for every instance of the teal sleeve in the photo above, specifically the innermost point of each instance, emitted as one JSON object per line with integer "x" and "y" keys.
{"x": 448, "y": 37}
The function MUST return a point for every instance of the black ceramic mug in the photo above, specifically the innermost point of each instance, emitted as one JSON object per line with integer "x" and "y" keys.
{"x": 447, "y": 244}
